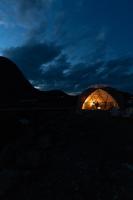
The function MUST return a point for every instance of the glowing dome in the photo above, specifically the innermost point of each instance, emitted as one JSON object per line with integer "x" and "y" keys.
{"x": 99, "y": 100}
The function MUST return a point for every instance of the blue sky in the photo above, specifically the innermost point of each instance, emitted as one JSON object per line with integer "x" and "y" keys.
{"x": 69, "y": 44}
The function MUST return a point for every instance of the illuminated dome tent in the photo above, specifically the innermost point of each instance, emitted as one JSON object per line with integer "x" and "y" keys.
{"x": 99, "y": 100}
{"x": 102, "y": 98}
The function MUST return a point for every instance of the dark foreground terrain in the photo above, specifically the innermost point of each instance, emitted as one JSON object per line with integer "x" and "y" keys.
{"x": 62, "y": 155}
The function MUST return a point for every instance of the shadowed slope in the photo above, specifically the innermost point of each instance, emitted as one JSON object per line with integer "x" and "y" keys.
{"x": 15, "y": 88}
{"x": 13, "y": 85}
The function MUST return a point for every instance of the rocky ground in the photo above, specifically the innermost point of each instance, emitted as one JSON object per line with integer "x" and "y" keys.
{"x": 63, "y": 155}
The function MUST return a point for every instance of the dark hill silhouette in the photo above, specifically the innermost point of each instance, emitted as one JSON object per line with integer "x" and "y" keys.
{"x": 13, "y": 84}
{"x": 16, "y": 89}
{"x": 57, "y": 99}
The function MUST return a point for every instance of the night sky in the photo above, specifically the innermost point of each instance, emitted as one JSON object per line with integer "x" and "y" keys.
{"x": 70, "y": 44}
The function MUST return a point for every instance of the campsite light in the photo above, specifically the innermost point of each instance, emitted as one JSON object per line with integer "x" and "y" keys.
{"x": 92, "y": 103}
{"x": 99, "y": 108}
{"x": 99, "y": 100}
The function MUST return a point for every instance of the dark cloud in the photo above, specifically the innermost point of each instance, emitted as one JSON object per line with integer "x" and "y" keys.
{"x": 28, "y": 8}
{"x": 119, "y": 73}
{"x": 75, "y": 78}
{"x": 32, "y": 11}
{"x": 31, "y": 56}
{"x": 29, "y": 14}
{"x": 49, "y": 68}
{"x": 32, "y": 4}
{"x": 120, "y": 65}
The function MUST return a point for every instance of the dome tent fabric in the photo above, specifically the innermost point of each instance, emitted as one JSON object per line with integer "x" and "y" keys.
{"x": 102, "y": 98}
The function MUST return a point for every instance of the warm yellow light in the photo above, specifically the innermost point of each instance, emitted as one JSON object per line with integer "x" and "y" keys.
{"x": 92, "y": 103}
{"x": 99, "y": 99}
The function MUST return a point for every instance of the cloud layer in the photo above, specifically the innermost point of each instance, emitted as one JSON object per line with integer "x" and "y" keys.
{"x": 31, "y": 56}
{"x": 48, "y": 68}
{"x": 67, "y": 44}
